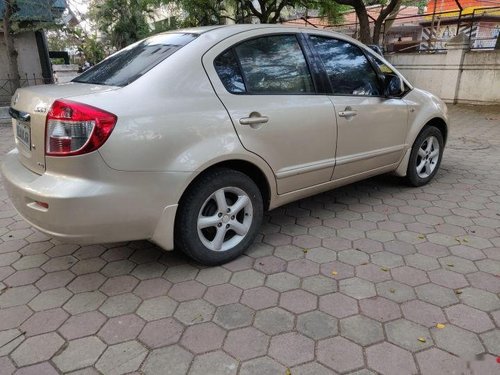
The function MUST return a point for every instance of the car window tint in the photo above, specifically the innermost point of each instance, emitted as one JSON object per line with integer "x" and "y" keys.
{"x": 274, "y": 65}
{"x": 229, "y": 72}
{"x": 349, "y": 70}
{"x": 130, "y": 63}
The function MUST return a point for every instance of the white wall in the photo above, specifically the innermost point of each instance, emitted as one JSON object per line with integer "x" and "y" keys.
{"x": 458, "y": 75}
{"x": 28, "y": 59}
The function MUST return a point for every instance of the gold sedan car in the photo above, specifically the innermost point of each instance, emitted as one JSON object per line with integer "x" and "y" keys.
{"x": 186, "y": 137}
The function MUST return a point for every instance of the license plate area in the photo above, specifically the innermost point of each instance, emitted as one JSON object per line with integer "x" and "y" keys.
{"x": 23, "y": 133}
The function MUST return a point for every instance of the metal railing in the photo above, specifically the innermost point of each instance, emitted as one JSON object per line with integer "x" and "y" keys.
{"x": 7, "y": 86}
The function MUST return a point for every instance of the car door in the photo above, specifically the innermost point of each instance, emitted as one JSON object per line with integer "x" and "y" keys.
{"x": 266, "y": 85}
{"x": 371, "y": 127}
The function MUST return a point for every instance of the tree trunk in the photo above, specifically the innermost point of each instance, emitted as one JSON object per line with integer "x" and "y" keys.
{"x": 11, "y": 50}
{"x": 364, "y": 23}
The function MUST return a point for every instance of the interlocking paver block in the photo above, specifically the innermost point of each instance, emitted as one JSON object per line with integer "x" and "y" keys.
{"x": 161, "y": 333}
{"x": 292, "y": 348}
{"x": 13, "y": 317}
{"x": 152, "y": 288}
{"x": 436, "y": 295}
{"x": 457, "y": 341}
{"x": 317, "y": 325}
{"x": 423, "y": 313}
{"x": 121, "y": 358}
{"x": 274, "y": 320}
{"x": 120, "y": 304}
{"x": 193, "y": 312}
{"x": 213, "y": 276}
{"x": 380, "y": 309}
{"x": 79, "y": 354}
{"x": 390, "y": 359}
{"x": 37, "y": 348}
{"x": 338, "y": 305}
{"x": 340, "y": 354}
{"x": 469, "y": 318}
{"x": 270, "y": 265}
{"x": 436, "y": 361}
{"x": 303, "y": 267}
{"x": 298, "y": 301}
{"x": 119, "y": 285}
{"x": 216, "y": 362}
{"x": 480, "y": 299}
{"x": 50, "y": 299}
{"x": 491, "y": 340}
{"x": 311, "y": 368}
{"x": 234, "y": 315}
{"x": 283, "y": 281}
{"x": 362, "y": 330}
{"x": 187, "y": 290}
{"x": 408, "y": 335}
{"x": 84, "y": 302}
{"x": 44, "y": 321}
{"x": 395, "y": 291}
{"x": 248, "y": 279}
{"x": 203, "y": 337}
{"x": 157, "y": 308}
{"x": 262, "y": 366}
{"x": 223, "y": 294}
{"x": 121, "y": 328}
{"x": 319, "y": 285}
{"x": 85, "y": 324}
{"x": 246, "y": 343}
{"x": 357, "y": 288}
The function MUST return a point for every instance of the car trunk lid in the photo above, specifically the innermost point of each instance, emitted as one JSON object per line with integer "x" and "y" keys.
{"x": 29, "y": 110}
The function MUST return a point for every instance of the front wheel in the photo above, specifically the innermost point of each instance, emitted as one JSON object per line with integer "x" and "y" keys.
{"x": 219, "y": 217}
{"x": 425, "y": 156}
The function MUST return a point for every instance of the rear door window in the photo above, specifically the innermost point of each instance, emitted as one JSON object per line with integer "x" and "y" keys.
{"x": 272, "y": 64}
{"x": 130, "y": 63}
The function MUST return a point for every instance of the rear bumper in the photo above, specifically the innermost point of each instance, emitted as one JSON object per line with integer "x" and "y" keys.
{"x": 114, "y": 206}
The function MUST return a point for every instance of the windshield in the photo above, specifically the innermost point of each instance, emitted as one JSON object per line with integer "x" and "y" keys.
{"x": 128, "y": 64}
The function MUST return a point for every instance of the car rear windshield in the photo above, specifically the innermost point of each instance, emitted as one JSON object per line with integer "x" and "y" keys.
{"x": 125, "y": 66}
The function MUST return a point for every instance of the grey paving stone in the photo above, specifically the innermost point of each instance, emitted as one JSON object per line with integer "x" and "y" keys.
{"x": 311, "y": 368}
{"x": 9, "y": 340}
{"x": 120, "y": 305}
{"x": 213, "y": 276}
{"x": 216, "y": 362}
{"x": 84, "y": 302}
{"x": 79, "y": 354}
{"x": 157, "y": 308}
{"x": 458, "y": 341}
{"x": 362, "y": 330}
{"x": 193, "y": 312}
{"x": 36, "y": 349}
{"x": 408, "y": 335}
{"x": 491, "y": 340}
{"x": 246, "y": 343}
{"x": 480, "y": 299}
{"x": 436, "y": 295}
{"x": 292, "y": 348}
{"x": 319, "y": 285}
{"x": 390, "y": 359}
{"x": 247, "y": 279}
{"x": 283, "y": 281}
{"x": 274, "y": 321}
{"x": 17, "y": 296}
{"x": 317, "y": 325}
{"x": 469, "y": 318}
{"x": 395, "y": 291}
{"x": 171, "y": 360}
{"x": 234, "y": 315}
{"x": 357, "y": 288}
{"x": 436, "y": 361}
{"x": 121, "y": 358}
{"x": 262, "y": 366}
{"x": 340, "y": 354}
{"x": 50, "y": 299}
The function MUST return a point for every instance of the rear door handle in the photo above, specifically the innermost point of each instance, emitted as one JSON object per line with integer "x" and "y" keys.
{"x": 254, "y": 120}
{"x": 347, "y": 113}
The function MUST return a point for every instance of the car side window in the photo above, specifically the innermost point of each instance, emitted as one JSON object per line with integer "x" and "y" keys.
{"x": 274, "y": 65}
{"x": 227, "y": 67}
{"x": 348, "y": 69}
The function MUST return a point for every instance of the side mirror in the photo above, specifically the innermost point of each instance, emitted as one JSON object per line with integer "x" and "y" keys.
{"x": 394, "y": 86}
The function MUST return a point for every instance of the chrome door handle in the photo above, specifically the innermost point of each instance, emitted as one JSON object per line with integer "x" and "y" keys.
{"x": 347, "y": 113}
{"x": 254, "y": 120}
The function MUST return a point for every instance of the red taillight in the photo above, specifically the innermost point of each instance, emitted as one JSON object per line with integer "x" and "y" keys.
{"x": 75, "y": 128}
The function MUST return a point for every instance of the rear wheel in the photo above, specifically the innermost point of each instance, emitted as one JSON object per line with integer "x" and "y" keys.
{"x": 219, "y": 217}
{"x": 425, "y": 156}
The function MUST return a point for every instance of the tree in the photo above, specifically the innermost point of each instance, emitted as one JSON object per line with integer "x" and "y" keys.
{"x": 122, "y": 21}
{"x": 9, "y": 42}
{"x": 388, "y": 8}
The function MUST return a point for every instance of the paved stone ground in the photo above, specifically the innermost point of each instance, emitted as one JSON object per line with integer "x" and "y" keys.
{"x": 351, "y": 281}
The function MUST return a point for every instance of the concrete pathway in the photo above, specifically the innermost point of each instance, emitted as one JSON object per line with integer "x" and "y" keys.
{"x": 371, "y": 278}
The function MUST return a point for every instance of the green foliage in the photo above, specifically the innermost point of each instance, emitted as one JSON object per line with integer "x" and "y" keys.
{"x": 122, "y": 22}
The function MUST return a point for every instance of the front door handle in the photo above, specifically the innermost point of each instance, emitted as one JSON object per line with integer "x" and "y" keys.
{"x": 254, "y": 119}
{"x": 348, "y": 112}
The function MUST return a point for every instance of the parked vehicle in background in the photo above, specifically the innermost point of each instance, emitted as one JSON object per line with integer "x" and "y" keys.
{"x": 187, "y": 137}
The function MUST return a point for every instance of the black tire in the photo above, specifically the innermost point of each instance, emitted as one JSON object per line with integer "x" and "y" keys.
{"x": 412, "y": 176}
{"x": 187, "y": 236}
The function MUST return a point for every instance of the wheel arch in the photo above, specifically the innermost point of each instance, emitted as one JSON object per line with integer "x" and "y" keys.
{"x": 439, "y": 123}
